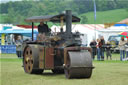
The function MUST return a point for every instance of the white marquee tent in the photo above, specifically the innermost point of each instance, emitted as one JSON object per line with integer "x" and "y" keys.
{"x": 114, "y": 30}
{"x": 90, "y": 31}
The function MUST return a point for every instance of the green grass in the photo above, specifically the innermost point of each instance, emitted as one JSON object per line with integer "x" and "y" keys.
{"x": 107, "y": 16}
{"x": 111, "y": 72}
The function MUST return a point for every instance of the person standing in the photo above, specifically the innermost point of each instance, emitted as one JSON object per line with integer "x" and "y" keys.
{"x": 93, "y": 46}
{"x": 126, "y": 49}
{"x": 98, "y": 49}
{"x": 108, "y": 50}
{"x": 19, "y": 47}
{"x": 102, "y": 48}
{"x": 122, "y": 43}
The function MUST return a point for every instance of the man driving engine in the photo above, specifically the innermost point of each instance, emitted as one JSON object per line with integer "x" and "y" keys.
{"x": 43, "y": 30}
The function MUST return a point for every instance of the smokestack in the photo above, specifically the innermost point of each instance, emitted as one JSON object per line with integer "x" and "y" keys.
{"x": 68, "y": 22}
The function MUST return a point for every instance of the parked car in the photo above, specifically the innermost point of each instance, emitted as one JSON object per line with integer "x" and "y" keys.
{"x": 114, "y": 41}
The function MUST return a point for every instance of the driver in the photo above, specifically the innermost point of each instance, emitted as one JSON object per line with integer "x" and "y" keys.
{"x": 43, "y": 28}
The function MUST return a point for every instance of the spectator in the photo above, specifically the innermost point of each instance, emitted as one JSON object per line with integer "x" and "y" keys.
{"x": 102, "y": 47}
{"x": 93, "y": 46}
{"x": 122, "y": 43}
{"x": 108, "y": 50}
{"x": 19, "y": 46}
{"x": 126, "y": 49}
{"x": 98, "y": 49}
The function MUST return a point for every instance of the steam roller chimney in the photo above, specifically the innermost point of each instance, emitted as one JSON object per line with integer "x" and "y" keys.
{"x": 68, "y": 22}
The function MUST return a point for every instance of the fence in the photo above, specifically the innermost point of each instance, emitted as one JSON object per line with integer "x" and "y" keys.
{"x": 8, "y": 48}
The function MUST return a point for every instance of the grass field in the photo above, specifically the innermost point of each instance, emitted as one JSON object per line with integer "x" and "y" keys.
{"x": 107, "y": 16}
{"x": 111, "y": 72}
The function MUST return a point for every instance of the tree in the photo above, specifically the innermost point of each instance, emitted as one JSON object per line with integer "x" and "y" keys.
{"x": 10, "y": 17}
{"x": 84, "y": 19}
{"x": 26, "y": 8}
{"x": 111, "y": 5}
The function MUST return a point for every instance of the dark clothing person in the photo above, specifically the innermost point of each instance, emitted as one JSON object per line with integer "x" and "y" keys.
{"x": 19, "y": 53}
{"x": 108, "y": 51}
{"x": 102, "y": 48}
{"x": 103, "y": 45}
{"x": 43, "y": 28}
{"x": 94, "y": 49}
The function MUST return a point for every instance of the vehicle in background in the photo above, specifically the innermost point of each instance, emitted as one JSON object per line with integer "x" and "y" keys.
{"x": 114, "y": 41}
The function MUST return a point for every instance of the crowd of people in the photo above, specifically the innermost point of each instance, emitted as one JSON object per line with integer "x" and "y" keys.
{"x": 99, "y": 47}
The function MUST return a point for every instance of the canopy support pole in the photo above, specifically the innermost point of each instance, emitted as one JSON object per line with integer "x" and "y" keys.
{"x": 61, "y": 23}
{"x": 32, "y": 30}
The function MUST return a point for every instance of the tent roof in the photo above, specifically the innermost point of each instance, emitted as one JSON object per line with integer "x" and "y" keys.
{"x": 52, "y": 18}
{"x": 83, "y": 28}
{"x": 19, "y": 31}
{"x": 115, "y": 29}
{"x": 27, "y": 26}
{"x": 124, "y": 21}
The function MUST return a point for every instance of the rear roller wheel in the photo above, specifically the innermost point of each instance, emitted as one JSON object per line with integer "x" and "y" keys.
{"x": 30, "y": 62}
{"x": 79, "y": 65}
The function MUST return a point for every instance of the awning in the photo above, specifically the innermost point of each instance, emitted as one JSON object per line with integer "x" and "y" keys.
{"x": 27, "y": 26}
{"x": 52, "y": 18}
{"x": 120, "y": 25}
{"x": 19, "y": 31}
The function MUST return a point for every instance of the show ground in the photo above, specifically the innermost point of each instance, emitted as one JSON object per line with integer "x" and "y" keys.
{"x": 108, "y": 72}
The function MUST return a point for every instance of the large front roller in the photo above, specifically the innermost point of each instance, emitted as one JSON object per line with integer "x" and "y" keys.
{"x": 31, "y": 60}
{"x": 79, "y": 65}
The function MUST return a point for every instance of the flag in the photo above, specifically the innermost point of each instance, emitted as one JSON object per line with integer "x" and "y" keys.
{"x": 94, "y": 10}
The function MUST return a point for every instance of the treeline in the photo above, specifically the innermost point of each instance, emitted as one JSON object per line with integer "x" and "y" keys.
{"x": 17, "y": 11}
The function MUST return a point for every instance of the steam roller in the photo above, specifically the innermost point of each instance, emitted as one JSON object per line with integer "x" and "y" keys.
{"x": 60, "y": 52}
